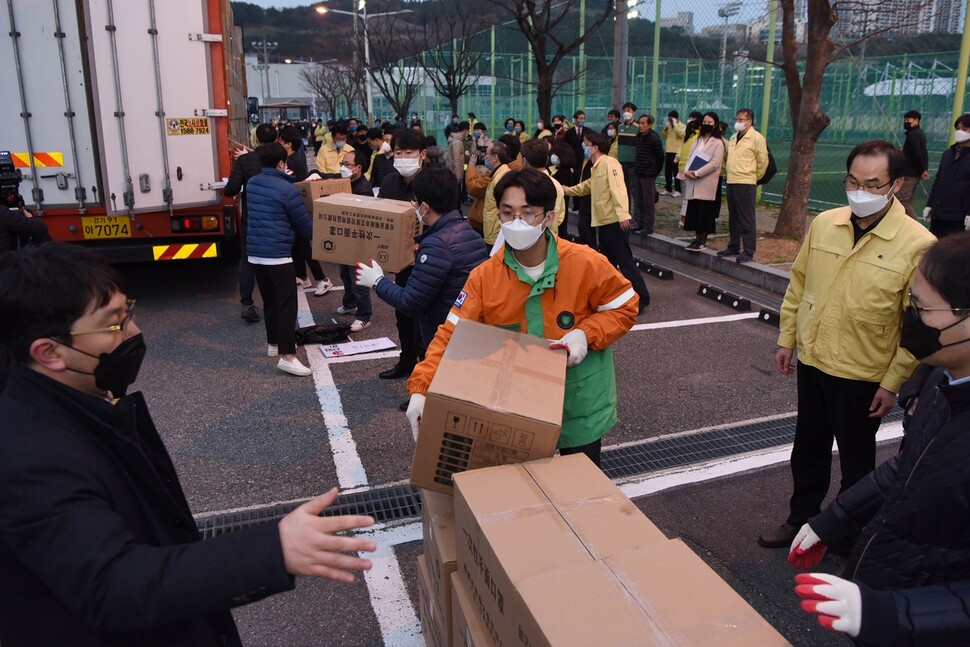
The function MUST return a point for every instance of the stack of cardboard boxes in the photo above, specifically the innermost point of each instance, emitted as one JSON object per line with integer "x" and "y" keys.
{"x": 534, "y": 551}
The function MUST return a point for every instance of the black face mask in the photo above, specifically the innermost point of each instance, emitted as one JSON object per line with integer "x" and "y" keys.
{"x": 907, "y": 127}
{"x": 117, "y": 370}
{"x": 706, "y": 129}
{"x": 922, "y": 340}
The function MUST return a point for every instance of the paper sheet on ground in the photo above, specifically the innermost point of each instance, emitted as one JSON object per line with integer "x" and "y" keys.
{"x": 357, "y": 347}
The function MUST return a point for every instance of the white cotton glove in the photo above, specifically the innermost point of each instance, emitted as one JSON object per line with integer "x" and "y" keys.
{"x": 926, "y": 213}
{"x": 369, "y": 275}
{"x": 837, "y": 602}
{"x": 677, "y": 159}
{"x": 415, "y": 411}
{"x": 575, "y": 344}
{"x": 313, "y": 177}
{"x": 807, "y": 549}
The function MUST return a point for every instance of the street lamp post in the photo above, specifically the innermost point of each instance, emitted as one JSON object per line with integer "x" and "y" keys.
{"x": 360, "y": 12}
{"x": 267, "y": 47}
{"x": 726, "y": 11}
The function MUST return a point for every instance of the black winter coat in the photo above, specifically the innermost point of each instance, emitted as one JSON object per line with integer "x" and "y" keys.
{"x": 649, "y": 155}
{"x": 448, "y": 251}
{"x": 914, "y": 149}
{"x": 950, "y": 195}
{"x": 97, "y": 542}
{"x": 246, "y": 166}
{"x": 912, "y": 559}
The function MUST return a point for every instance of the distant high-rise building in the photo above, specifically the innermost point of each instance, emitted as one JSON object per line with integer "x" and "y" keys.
{"x": 683, "y": 20}
{"x": 889, "y": 17}
{"x": 946, "y": 16}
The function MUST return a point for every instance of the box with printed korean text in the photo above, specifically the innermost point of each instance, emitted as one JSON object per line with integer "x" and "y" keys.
{"x": 466, "y": 630}
{"x": 435, "y": 624}
{"x": 440, "y": 549}
{"x": 496, "y": 398}
{"x": 313, "y": 189}
{"x": 348, "y": 229}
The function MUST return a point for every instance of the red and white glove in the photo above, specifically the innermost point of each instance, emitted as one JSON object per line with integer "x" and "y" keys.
{"x": 415, "y": 411}
{"x": 836, "y": 602}
{"x": 807, "y": 549}
{"x": 575, "y": 344}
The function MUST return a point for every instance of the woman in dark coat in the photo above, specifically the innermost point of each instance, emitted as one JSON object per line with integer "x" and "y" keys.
{"x": 948, "y": 206}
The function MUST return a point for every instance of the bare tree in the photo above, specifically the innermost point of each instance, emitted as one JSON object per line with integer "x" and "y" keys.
{"x": 319, "y": 80}
{"x": 805, "y": 90}
{"x": 552, "y": 35}
{"x": 450, "y": 48}
{"x": 392, "y": 69}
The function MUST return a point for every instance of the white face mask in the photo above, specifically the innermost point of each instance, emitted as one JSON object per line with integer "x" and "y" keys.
{"x": 345, "y": 172}
{"x": 961, "y": 136}
{"x": 385, "y": 148}
{"x": 338, "y": 144}
{"x": 407, "y": 166}
{"x": 611, "y": 133}
{"x": 554, "y": 160}
{"x": 627, "y": 116}
{"x": 865, "y": 204}
{"x": 520, "y": 236}
{"x": 740, "y": 126}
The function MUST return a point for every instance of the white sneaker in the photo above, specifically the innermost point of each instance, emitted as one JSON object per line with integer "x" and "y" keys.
{"x": 664, "y": 192}
{"x": 303, "y": 284}
{"x": 359, "y": 325}
{"x": 675, "y": 194}
{"x": 293, "y": 368}
{"x": 323, "y": 287}
{"x": 272, "y": 350}
{"x": 346, "y": 311}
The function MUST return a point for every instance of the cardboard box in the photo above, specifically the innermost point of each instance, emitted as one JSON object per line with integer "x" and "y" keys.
{"x": 440, "y": 547}
{"x": 321, "y": 188}
{"x": 466, "y": 630}
{"x": 351, "y": 228}
{"x": 435, "y": 624}
{"x": 520, "y": 521}
{"x": 496, "y": 398}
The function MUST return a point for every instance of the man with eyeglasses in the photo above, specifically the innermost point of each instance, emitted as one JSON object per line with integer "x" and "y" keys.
{"x": 98, "y": 545}
{"x": 545, "y": 286}
{"x": 843, "y": 311}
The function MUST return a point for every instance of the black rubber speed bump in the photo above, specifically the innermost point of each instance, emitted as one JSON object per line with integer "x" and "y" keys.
{"x": 654, "y": 270}
{"x": 721, "y": 296}
{"x": 770, "y": 317}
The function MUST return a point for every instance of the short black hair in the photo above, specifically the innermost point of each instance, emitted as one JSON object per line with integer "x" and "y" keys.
{"x": 266, "y": 133}
{"x": 375, "y": 133}
{"x": 946, "y": 266}
{"x": 436, "y": 185}
{"x": 480, "y": 126}
{"x": 631, "y": 106}
{"x": 962, "y": 120}
{"x": 674, "y": 114}
{"x": 537, "y": 186}
{"x": 520, "y": 124}
{"x": 613, "y": 112}
{"x": 695, "y": 114}
{"x": 513, "y": 143}
{"x": 536, "y": 153}
{"x": 880, "y": 148}
{"x": 270, "y": 155}
{"x": 291, "y": 135}
{"x": 599, "y": 140}
{"x": 501, "y": 151}
{"x": 463, "y": 125}
{"x": 45, "y": 289}
{"x": 913, "y": 114}
{"x": 747, "y": 112}
{"x": 408, "y": 140}
{"x": 559, "y": 117}
{"x": 562, "y": 150}
{"x": 578, "y": 114}
{"x": 471, "y": 115}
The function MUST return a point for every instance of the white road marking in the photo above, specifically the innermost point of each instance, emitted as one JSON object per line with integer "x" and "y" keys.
{"x": 695, "y": 322}
{"x": 398, "y": 621}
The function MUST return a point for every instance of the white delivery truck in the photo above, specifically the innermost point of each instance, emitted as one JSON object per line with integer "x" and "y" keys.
{"x": 121, "y": 116}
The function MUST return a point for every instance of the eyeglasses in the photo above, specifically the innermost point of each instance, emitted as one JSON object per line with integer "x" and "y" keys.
{"x": 528, "y": 217}
{"x": 121, "y": 325}
{"x": 918, "y": 310}
{"x": 852, "y": 185}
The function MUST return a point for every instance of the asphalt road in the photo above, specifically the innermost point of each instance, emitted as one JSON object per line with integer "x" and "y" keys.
{"x": 242, "y": 435}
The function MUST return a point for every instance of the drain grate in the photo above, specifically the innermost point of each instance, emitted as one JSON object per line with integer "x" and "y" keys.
{"x": 404, "y": 501}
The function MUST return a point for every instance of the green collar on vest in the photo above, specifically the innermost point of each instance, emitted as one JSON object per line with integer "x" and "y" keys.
{"x": 533, "y": 304}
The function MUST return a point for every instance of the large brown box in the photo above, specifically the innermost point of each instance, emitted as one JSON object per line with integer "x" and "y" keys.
{"x": 351, "y": 228}
{"x": 313, "y": 189}
{"x": 515, "y": 522}
{"x": 435, "y": 624}
{"x": 496, "y": 398}
{"x": 440, "y": 547}
{"x": 466, "y": 630}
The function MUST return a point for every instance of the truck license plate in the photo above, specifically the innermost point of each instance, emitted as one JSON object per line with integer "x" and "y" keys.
{"x": 95, "y": 227}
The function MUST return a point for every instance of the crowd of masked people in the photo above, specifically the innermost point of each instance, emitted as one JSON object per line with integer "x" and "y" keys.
{"x": 97, "y": 542}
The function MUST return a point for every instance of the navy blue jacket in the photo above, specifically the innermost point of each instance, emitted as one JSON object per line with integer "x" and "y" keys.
{"x": 276, "y": 210}
{"x": 912, "y": 559}
{"x": 447, "y": 252}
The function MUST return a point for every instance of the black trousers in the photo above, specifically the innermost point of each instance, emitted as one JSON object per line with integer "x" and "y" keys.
{"x": 829, "y": 407}
{"x": 278, "y": 289}
{"x": 615, "y": 245}
{"x": 247, "y": 276}
{"x": 355, "y": 296}
{"x": 412, "y": 348}
{"x": 742, "y": 219}
{"x": 941, "y": 228}
{"x": 587, "y": 235}
{"x": 592, "y": 450}
{"x": 646, "y": 190}
{"x": 670, "y": 173}
{"x": 301, "y": 259}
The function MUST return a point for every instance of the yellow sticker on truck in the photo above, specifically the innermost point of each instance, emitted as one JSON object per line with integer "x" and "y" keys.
{"x": 41, "y": 160}
{"x": 187, "y": 126}
{"x": 185, "y": 251}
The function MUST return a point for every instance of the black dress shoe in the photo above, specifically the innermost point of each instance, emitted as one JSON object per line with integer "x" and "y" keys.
{"x": 780, "y": 537}
{"x": 396, "y": 373}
